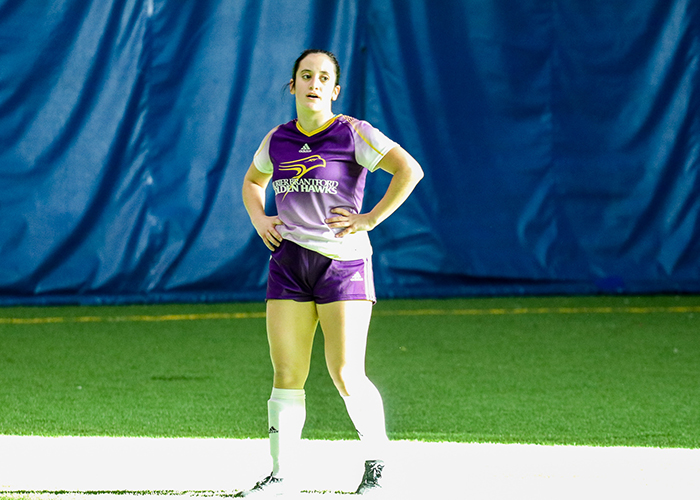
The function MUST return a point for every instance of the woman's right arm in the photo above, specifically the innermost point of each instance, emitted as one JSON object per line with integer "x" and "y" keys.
{"x": 254, "y": 185}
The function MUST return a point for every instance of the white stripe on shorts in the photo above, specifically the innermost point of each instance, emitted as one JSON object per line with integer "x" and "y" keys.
{"x": 369, "y": 280}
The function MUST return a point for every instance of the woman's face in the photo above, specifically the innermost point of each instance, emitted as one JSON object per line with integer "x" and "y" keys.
{"x": 314, "y": 85}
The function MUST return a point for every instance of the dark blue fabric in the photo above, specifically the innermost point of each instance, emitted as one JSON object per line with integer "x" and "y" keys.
{"x": 560, "y": 141}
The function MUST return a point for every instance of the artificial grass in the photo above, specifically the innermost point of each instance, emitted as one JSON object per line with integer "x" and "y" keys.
{"x": 556, "y": 370}
{"x": 554, "y": 378}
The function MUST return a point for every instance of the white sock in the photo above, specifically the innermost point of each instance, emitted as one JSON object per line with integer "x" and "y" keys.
{"x": 286, "y": 414}
{"x": 366, "y": 411}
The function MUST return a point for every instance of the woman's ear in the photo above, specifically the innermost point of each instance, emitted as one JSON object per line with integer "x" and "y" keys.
{"x": 291, "y": 86}
{"x": 336, "y": 92}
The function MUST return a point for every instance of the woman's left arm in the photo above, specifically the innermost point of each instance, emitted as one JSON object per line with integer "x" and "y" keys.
{"x": 406, "y": 174}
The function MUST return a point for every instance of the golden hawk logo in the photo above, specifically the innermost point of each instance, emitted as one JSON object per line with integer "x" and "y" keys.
{"x": 298, "y": 184}
{"x": 303, "y": 166}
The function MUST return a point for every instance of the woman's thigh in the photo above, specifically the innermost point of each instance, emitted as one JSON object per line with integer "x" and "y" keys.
{"x": 291, "y": 327}
{"x": 345, "y": 325}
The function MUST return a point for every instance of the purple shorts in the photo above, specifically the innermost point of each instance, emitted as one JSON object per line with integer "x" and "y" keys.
{"x": 297, "y": 273}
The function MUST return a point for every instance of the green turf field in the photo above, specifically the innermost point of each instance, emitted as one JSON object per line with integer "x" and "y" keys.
{"x": 587, "y": 370}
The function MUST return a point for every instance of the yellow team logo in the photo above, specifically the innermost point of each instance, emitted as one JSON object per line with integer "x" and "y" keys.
{"x": 303, "y": 166}
{"x": 298, "y": 184}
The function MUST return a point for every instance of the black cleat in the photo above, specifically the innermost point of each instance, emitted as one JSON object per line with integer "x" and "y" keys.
{"x": 265, "y": 488}
{"x": 370, "y": 481}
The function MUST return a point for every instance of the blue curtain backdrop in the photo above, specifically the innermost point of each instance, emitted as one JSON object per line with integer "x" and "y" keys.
{"x": 560, "y": 141}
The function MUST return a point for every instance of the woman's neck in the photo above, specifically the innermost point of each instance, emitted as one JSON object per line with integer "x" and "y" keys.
{"x": 313, "y": 121}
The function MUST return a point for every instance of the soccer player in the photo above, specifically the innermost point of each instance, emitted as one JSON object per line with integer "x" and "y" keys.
{"x": 320, "y": 268}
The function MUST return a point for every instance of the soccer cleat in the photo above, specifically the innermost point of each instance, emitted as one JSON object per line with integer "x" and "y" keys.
{"x": 269, "y": 487}
{"x": 370, "y": 481}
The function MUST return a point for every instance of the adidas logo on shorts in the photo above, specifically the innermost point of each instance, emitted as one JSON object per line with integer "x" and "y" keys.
{"x": 305, "y": 149}
{"x": 357, "y": 277}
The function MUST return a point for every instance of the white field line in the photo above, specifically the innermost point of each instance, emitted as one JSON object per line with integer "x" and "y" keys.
{"x": 216, "y": 467}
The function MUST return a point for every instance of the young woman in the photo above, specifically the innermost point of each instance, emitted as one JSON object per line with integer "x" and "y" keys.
{"x": 320, "y": 267}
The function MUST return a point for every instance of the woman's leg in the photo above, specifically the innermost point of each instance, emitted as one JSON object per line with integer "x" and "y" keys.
{"x": 345, "y": 326}
{"x": 290, "y": 329}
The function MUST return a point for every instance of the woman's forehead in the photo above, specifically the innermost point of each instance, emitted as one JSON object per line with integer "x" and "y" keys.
{"x": 317, "y": 62}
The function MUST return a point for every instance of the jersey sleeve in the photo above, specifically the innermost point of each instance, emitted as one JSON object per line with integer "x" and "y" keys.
{"x": 262, "y": 160}
{"x": 370, "y": 144}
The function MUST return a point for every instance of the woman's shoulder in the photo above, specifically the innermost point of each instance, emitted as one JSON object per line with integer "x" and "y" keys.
{"x": 349, "y": 120}
{"x": 356, "y": 124}
{"x": 290, "y": 125}
{"x": 363, "y": 128}
{"x": 284, "y": 129}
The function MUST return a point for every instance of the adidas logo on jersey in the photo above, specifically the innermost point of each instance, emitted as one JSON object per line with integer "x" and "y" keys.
{"x": 273, "y": 430}
{"x": 305, "y": 149}
{"x": 357, "y": 277}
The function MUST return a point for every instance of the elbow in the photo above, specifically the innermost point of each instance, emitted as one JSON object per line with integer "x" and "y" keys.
{"x": 416, "y": 172}
{"x": 419, "y": 174}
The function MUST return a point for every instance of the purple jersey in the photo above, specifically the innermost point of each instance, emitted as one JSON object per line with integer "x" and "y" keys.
{"x": 314, "y": 172}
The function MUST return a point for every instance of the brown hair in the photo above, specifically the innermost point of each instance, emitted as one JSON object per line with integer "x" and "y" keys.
{"x": 326, "y": 53}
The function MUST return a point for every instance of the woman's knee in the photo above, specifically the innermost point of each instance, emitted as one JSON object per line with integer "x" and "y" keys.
{"x": 349, "y": 382}
{"x": 289, "y": 377}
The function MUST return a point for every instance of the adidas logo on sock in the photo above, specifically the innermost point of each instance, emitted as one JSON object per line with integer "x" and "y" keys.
{"x": 273, "y": 430}
{"x": 305, "y": 149}
{"x": 357, "y": 277}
